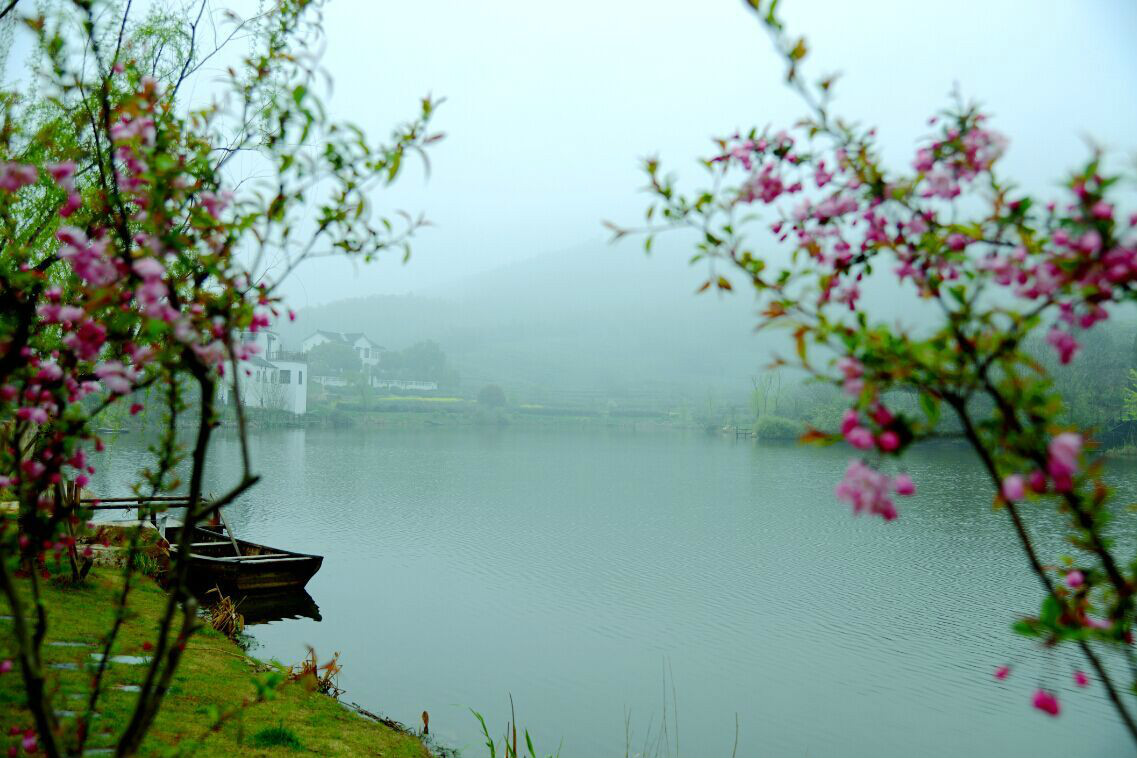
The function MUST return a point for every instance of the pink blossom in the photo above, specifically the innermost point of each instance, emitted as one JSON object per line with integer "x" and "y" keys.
{"x": 49, "y": 372}
{"x": 49, "y": 312}
{"x": 62, "y": 172}
{"x": 866, "y": 489}
{"x": 212, "y": 354}
{"x": 116, "y": 377}
{"x": 1090, "y": 242}
{"x": 1037, "y": 481}
{"x": 1063, "y": 454}
{"x": 73, "y": 202}
{"x": 1096, "y": 623}
{"x": 5, "y": 666}
{"x": 957, "y": 241}
{"x": 850, "y": 367}
{"x": 1081, "y": 679}
{"x": 924, "y": 160}
{"x": 1075, "y": 579}
{"x": 941, "y": 184}
{"x": 215, "y": 203}
{"x": 1046, "y": 701}
{"x": 860, "y": 438}
{"x": 821, "y": 176}
{"x": 34, "y": 414}
{"x": 149, "y": 268}
{"x": 888, "y": 441}
{"x": 880, "y": 414}
{"x": 88, "y": 259}
{"x": 765, "y": 185}
{"x": 1064, "y": 343}
{"x": 1002, "y": 672}
{"x": 849, "y": 421}
{"x": 1014, "y": 488}
{"x": 903, "y": 484}
{"x": 13, "y": 176}
{"x": 852, "y": 370}
{"x": 87, "y": 340}
{"x": 1102, "y": 210}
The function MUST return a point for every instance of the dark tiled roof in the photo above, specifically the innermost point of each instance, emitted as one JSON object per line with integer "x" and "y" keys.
{"x": 334, "y": 336}
{"x": 348, "y": 338}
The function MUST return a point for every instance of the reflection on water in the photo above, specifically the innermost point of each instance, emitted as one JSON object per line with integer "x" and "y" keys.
{"x": 263, "y": 607}
{"x": 567, "y": 568}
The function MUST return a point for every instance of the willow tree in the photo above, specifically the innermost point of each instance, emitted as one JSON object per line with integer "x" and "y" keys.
{"x": 134, "y": 257}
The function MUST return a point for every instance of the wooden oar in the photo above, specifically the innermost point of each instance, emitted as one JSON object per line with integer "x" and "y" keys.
{"x": 228, "y": 531}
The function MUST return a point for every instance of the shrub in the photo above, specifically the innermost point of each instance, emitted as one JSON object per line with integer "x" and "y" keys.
{"x": 276, "y": 736}
{"x": 492, "y": 396}
{"x": 778, "y": 428}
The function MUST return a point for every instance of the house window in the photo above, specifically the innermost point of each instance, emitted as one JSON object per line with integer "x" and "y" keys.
{"x": 285, "y": 377}
{"x": 299, "y": 377}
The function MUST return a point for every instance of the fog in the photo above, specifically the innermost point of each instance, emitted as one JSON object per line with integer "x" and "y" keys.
{"x": 549, "y": 110}
{"x": 549, "y": 107}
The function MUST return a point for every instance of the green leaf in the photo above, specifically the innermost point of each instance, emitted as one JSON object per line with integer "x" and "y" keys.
{"x": 485, "y": 732}
{"x": 1050, "y": 611}
{"x": 1025, "y": 628}
{"x": 931, "y": 407}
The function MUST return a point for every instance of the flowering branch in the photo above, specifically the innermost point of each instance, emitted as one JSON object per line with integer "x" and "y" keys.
{"x": 997, "y": 265}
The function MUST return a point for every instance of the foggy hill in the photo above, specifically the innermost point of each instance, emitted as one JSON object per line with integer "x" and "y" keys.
{"x": 598, "y": 320}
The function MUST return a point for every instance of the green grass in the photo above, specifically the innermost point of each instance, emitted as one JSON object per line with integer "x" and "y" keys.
{"x": 276, "y": 736}
{"x": 215, "y": 676}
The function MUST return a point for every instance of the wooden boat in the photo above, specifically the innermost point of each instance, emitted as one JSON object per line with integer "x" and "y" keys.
{"x": 257, "y": 568}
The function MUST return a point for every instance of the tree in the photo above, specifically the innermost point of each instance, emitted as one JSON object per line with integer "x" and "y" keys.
{"x": 422, "y": 361}
{"x": 998, "y": 265}
{"x": 333, "y": 359}
{"x": 491, "y": 396}
{"x": 134, "y": 259}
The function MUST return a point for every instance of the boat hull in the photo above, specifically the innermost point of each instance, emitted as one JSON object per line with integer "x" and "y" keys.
{"x": 258, "y": 568}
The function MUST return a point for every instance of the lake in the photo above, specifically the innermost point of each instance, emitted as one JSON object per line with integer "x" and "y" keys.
{"x": 602, "y": 577}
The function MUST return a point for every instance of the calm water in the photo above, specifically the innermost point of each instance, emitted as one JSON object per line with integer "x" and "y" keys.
{"x": 570, "y": 569}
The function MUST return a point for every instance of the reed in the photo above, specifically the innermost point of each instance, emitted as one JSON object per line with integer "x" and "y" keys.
{"x": 224, "y": 616}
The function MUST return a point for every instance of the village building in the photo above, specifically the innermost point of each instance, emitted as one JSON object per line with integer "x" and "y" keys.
{"x": 272, "y": 379}
{"x": 368, "y": 350}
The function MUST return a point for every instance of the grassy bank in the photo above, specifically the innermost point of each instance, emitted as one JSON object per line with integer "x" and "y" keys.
{"x": 215, "y": 676}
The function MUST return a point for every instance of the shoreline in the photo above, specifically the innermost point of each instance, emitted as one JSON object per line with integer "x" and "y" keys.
{"x": 216, "y": 676}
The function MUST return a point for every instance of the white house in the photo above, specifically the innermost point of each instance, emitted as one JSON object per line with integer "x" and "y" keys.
{"x": 273, "y": 378}
{"x": 368, "y": 350}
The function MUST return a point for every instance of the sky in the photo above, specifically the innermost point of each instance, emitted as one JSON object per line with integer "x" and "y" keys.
{"x": 550, "y": 106}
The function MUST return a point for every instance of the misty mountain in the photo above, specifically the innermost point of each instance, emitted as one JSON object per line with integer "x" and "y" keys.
{"x": 594, "y": 321}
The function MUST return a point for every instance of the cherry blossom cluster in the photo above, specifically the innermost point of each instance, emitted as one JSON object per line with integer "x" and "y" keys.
{"x": 999, "y": 266}
{"x": 870, "y": 491}
{"x": 128, "y": 310}
{"x": 1061, "y": 466}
